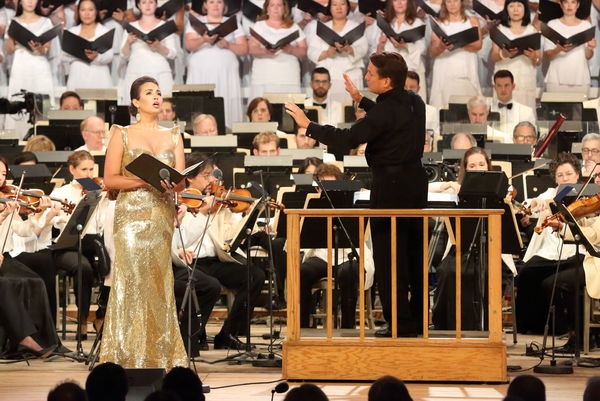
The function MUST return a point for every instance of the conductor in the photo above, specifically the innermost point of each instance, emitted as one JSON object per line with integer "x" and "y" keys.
{"x": 394, "y": 130}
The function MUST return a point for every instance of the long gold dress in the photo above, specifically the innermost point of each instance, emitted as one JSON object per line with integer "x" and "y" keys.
{"x": 141, "y": 328}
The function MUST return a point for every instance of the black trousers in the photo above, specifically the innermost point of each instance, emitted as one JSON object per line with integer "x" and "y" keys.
{"x": 346, "y": 276}
{"x": 233, "y": 276}
{"x": 207, "y": 291}
{"x": 67, "y": 260}
{"x": 279, "y": 259}
{"x": 400, "y": 187}
{"x": 42, "y": 263}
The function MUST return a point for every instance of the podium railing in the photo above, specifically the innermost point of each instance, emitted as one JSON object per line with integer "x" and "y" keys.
{"x": 437, "y": 357}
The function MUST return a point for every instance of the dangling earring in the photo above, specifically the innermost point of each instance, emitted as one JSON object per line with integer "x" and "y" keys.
{"x": 137, "y": 116}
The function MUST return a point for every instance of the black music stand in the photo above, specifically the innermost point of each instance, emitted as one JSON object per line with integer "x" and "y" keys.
{"x": 70, "y": 238}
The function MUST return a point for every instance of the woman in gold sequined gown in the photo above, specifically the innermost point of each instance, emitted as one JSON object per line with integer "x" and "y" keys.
{"x": 140, "y": 328}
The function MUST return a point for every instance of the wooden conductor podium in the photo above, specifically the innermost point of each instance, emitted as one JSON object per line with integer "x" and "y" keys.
{"x": 424, "y": 358}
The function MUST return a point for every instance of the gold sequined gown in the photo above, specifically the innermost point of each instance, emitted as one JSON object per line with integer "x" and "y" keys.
{"x": 141, "y": 328}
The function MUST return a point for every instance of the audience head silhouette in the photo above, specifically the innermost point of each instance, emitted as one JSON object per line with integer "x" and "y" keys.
{"x": 185, "y": 383}
{"x": 592, "y": 391}
{"x": 527, "y": 388}
{"x": 306, "y": 392}
{"x": 389, "y": 388}
{"x": 107, "y": 382}
{"x": 162, "y": 395}
{"x": 67, "y": 391}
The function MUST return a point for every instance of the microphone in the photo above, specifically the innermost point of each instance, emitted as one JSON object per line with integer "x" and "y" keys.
{"x": 280, "y": 388}
{"x": 258, "y": 187}
{"x": 257, "y": 172}
{"x": 218, "y": 174}
{"x": 165, "y": 176}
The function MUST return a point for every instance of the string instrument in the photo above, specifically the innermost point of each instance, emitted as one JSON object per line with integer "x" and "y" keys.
{"x": 582, "y": 207}
{"x": 24, "y": 208}
{"x": 33, "y": 196}
{"x": 10, "y": 193}
{"x": 540, "y": 148}
{"x": 194, "y": 199}
{"x": 240, "y": 199}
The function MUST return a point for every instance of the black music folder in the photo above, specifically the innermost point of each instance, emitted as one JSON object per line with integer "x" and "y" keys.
{"x": 148, "y": 167}
{"x": 331, "y": 37}
{"x": 427, "y": 8}
{"x": 576, "y": 40}
{"x": 277, "y": 45}
{"x": 221, "y": 30}
{"x": 76, "y": 45}
{"x": 169, "y": 8}
{"x": 313, "y": 8}
{"x": 233, "y": 6}
{"x": 251, "y": 10}
{"x": 111, "y": 6}
{"x": 550, "y": 10}
{"x": 370, "y": 7}
{"x": 408, "y": 36}
{"x": 485, "y": 12}
{"x": 523, "y": 43}
{"x": 459, "y": 39}
{"x": 23, "y": 35}
{"x": 159, "y": 33}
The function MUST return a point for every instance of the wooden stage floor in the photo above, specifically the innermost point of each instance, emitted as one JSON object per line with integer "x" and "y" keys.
{"x": 32, "y": 383}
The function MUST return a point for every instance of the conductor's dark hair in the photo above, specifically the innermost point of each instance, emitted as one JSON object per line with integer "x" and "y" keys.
{"x": 97, "y": 19}
{"x": 134, "y": 92}
{"x": 67, "y": 391}
{"x": 413, "y": 75}
{"x": 37, "y": 10}
{"x": 390, "y": 65}
{"x": 68, "y": 94}
{"x": 592, "y": 390}
{"x": 107, "y": 382}
{"x": 197, "y": 157}
{"x": 320, "y": 70}
{"x": 564, "y": 158}
{"x": 347, "y": 7}
{"x": 526, "y": 17}
{"x": 185, "y": 383}
{"x": 527, "y": 387}
{"x": 25, "y": 157}
{"x": 389, "y": 388}
{"x": 306, "y": 391}
{"x": 504, "y": 74}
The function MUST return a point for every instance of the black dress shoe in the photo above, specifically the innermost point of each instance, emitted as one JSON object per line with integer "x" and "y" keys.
{"x": 43, "y": 353}
{"x": 229, "y": 342}
{"x": 385, "y": 332}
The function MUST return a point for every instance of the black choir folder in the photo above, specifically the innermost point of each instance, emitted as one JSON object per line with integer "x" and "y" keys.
{"x": 277, "y": 45}
{"x": 459, "y": 39}
{"x": 75, "y": 45}
{"x": 221, "y": 30}
{"x": 486, "y": 12}
{"x": 23, "y": 35}
{"x": 313, "y": 8}
{"x": 331, "y": 37}
{"x": 408, "y": 36}
{"x": 111, "y": 6}
{"x": 427, "y": 8}
{"x": 159, "y": 33}
{"x": 251, "y": 10}
{"x": 523, "y": 43}
{"x": 148, "y": 167}
{"x": 576, "y": 40}
{"x": 370, "y": 7}
{"x": 168, "y": 9}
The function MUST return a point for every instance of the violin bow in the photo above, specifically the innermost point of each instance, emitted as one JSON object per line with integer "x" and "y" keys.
{"x": 529, "y": 170}
{"x": 584, "y": 186}
{"x": 13, "y": 213}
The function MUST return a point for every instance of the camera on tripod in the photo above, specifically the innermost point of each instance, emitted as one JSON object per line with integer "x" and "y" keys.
{"x": 36, "y": 105}
{"x": 440, "y": 172}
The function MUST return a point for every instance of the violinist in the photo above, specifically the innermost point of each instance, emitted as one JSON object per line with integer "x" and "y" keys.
{"x": 535, "y": 278}
{"x": 228, "y": 270}
{"x": 81, "y": 165}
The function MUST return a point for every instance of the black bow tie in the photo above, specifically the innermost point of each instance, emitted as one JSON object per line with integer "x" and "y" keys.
{"x": 507, "y": 105}
{"x": 323, "y": 105}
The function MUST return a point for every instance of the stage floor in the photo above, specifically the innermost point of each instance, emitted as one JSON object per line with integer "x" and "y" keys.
{"x": 19, "y": 381}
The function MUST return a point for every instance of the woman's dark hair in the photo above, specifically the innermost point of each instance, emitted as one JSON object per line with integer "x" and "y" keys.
{"x": 286, "y": 20}
{"x": 96, "y": 20}
{"x": 309, "y": 161}
{"x": 254, "y": 104}
{"x": 37, "y": 10}
{"x": 527, "y": 387}
{"x": 107, "y": 381}
{"x": 305, "y": 392}
{"x": 347, "y": 7}
{"x": 389, "y": 388}
{"x": 134, "y": 92}
{"x": 506, "y": 18}
{"x": 462, "y": 170}
{"x": 185, "y": 383}
{"x": 137, "y": 3}
{"x": 390, "y": 65}
{"x": 25, "y": 157}
{"x": 410, "y": 14}
{"x": 564, "y": 158}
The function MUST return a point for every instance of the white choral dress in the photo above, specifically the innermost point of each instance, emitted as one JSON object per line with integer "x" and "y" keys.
{"x": 143, "y": 61}
{"x": 223, "y": 70}
{"x": 340, "y": 63}
{"x": 454, "y": 72}
{"x": 93, "y": 75}
{"x": 279, "y": 73}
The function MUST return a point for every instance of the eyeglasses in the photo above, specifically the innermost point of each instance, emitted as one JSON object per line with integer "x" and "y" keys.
{"x": 525, "y": 137}
{"x": 590, "y": 150}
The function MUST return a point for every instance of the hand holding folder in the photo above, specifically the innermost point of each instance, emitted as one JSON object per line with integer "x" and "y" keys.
{"x": 529, "y": 42}
{"x": 408, "y": 36}
{"x": 25, "y": 37}
{"x": 313, "y": 8}
{"x": 457, "y": 40}
{"x": 168, "y": 9}
{"x": 331, "y": 37}
{"x": 572, "y": 41}
{"x": 149, "y": 168}
{"x": 221, "y": 31}
{"x": 76, "y": 46}
{"x": 277, "y": 45}
{"x": 158, "y": 33}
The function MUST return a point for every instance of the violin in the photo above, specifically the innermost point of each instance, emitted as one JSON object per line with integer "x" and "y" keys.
{"x": 28, "y": 201}
{"x": 580, "y": 208}
{"x": 194, "y": 199}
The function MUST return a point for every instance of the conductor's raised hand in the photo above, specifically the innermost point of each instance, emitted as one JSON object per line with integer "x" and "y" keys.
{"x": 297, "y": 114}
{"x": 352, "y": 89}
